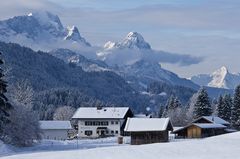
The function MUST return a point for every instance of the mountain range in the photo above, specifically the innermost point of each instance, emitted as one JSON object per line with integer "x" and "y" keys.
{"x": 220, "y": 78}
{"x": 126, "y": 72}
{"x": 41, "y": 31}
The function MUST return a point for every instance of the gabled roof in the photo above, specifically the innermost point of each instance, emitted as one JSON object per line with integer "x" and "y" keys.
{"x": 103, "y": 113}
{"x": 209, "y": 126}
{"x": 55, "y": 125}
{"x": 148, "y": 124}
{"x": 212, "y": 119}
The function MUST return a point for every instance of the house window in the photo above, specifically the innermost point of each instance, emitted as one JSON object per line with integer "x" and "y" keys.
{"x": 87, "y": 123}
{"x": 112, "y": 122}
{"x": 116, "y": 132}
{"x": 104, "y": 123}
{"x": 106, "y": 131}
{"x": 116, "y": 122}
{"x": 112, "y": 132}
{"x": 88, "y": 133}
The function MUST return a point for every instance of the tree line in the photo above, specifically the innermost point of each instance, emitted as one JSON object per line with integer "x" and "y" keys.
{"x": 226, "y": 107}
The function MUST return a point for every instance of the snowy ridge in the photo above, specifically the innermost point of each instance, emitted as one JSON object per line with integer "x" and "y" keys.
{"x": 220, "y": 78}
{"x": 133, "y": 40}
{"x": 40, "y": 30}
{"x": 87, "y": 65}
{"x": 74, "y": 35}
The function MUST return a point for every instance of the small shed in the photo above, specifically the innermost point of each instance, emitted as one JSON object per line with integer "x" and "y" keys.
{"x": 204, "y": 126}
{"x": 148, "y": 130}
{"x": 55, "y": 129}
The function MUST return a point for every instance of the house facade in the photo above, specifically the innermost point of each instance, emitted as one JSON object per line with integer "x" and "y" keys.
{"x": 55, "y": 130}
{"x": 94, "y": 122}
{"x": 148, "y": 130}
{"x": 204, "y": 126}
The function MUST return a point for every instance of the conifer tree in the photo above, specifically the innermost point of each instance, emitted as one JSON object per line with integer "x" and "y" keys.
{"x": 161, "y": 111}
{"x": 220, "y": 107}
{"x": 4, "y": 104}
{"x": 227, "y": 107}
{"x": 235, "y": 119}
{"x": 202, "y": 106}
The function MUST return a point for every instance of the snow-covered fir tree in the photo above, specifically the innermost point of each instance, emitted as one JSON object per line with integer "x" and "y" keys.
{"x": 5, "y": 106}
{"x": 190, "y": 107}
{"x": 175, "y": 111}
{"x": 220, "y": 107}
{"x": 235, "y": 119}
{"x": 169, "y": 105}
{"x": 202, "y": 106}
{"x": 161, "y": 111}
{"x": 227, "y": 107}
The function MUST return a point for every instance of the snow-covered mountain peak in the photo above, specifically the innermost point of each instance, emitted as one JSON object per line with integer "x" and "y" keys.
{"x": 40, "y": 30}
{"x": 220, "y": 78}
{"x": 47, "y": 18}
{"x": 74, "y": 35}
{"x": 134, "y": 40}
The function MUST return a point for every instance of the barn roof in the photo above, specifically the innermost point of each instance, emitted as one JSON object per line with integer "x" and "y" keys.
{"x": 148, "y": 124}
{"x": 212, "y": 119}
{"x": 55, "y": 125}
{"x": 101, "y": 113}
{"x": 209, "y": 125}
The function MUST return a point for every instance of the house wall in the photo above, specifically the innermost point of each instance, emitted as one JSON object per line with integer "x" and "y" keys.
{"x": 138, "y": 138}
{"x": 55, "y": 134}
{"x": 194, "y": 132}
{"x": 112, "y": 129}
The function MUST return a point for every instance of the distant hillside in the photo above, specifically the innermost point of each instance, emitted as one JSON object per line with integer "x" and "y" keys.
{"x": 47, "y": 72}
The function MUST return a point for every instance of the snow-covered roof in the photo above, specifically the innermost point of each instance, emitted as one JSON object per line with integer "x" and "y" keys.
{"x": 55, "y": 124}
{"x": 209, "y": 126}
{"x": 103, "y": 113}
{"x": 213, "y": 119}
{"x": 143, "y": 116}
{"x": 147, "y": 124}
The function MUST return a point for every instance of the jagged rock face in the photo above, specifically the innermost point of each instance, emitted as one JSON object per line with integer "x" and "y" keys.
{"x": 133, "y": 40}
{"x": 74, "y": 35}
{"x": 41, "y": 28}
{"x": 220, "y": 78}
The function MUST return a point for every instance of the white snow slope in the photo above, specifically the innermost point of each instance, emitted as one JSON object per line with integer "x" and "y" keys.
{"x": 219, "y": 147}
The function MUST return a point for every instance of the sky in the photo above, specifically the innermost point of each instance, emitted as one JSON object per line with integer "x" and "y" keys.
{"x": 209, "y": 29}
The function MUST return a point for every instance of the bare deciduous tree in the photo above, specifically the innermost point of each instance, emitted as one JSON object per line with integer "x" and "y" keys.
{"x": 64, "y": 113}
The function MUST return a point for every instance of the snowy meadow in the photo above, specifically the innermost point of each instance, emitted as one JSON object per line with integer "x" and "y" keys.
{"x": 219, "y": 147}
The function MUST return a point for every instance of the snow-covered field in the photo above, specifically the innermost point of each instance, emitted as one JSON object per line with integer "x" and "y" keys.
{"x": 219, "y": 147}
{"x": 54, "y": 145}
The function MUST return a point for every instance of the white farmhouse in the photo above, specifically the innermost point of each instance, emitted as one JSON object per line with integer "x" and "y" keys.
{"x": 93, "y": 122}
{"x": 55, "y": 130}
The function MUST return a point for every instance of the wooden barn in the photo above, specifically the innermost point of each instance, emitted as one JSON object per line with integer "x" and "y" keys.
{"x": 204, "y": 126}
{"x": 148, "y": 130}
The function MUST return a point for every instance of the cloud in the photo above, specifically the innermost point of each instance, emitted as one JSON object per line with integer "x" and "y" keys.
{"x": 12, "y": 8}
{"x": 130, "y": 56}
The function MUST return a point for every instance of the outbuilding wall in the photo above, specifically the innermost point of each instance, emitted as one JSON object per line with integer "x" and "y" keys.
{"x": 55, "y": 134}
{"x": 138, "y": 138}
